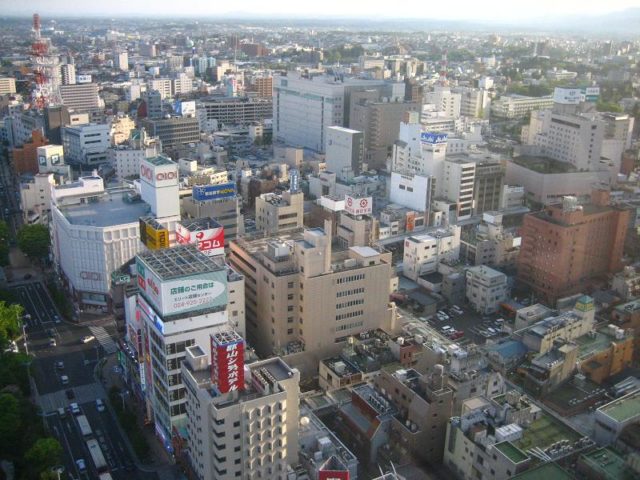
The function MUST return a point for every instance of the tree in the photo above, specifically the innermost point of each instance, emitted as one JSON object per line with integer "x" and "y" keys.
{"x": 44, "y": 454}
{"x": 4, "y": 243}
{"x": 10, "y": 422}
{"x": 10, "y": 322}
{"x": 34, "y": 241}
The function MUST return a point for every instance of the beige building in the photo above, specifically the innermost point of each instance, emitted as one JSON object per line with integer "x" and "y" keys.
{"x": 7, "y": 86}
{"x": 247, "y": 433}
{"x": 276, "y": 213}
{"x": 302, "y": 297}
{"x": 121, "y": 129}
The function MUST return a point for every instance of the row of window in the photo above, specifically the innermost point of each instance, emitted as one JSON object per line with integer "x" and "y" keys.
{"x": 350, "y": 303}
{"x": 346, "y": 293}
{"x": 351, "y": 278}
{"x": 343, "y": 316}
{"x": 348, "y": 326}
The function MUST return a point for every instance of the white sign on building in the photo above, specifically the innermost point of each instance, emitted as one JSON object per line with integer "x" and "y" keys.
{"x": 358, "y": 205}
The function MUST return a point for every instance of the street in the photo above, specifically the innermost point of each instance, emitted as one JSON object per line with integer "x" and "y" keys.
{"x": 74, "y": 381}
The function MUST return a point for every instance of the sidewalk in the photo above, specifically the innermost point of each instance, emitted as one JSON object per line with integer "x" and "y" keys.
{"x": 162, "y": 464}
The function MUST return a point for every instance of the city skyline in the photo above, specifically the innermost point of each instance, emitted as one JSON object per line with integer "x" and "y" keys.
{"x": 492, "y": 11}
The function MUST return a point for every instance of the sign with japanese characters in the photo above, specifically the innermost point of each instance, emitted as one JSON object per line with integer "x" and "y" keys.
{"x": 433, "y": 138}
{"x": 358, "y": 205}
{"x": 209, "y": 241}
{"x": 227, "y": 369}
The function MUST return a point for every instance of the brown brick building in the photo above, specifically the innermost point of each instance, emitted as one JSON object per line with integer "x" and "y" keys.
{"x": 567, "y": 246}
{"x": 25, "y": 158}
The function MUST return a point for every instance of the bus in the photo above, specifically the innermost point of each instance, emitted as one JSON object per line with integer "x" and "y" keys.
{"x": 96, "y": 455}
{"x": 85, "y": 428}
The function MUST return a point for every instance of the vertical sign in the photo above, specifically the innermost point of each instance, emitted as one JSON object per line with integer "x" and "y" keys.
{"x": 227, "y": 366}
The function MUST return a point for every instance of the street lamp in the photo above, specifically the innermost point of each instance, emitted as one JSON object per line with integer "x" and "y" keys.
{"x": 24, "y": 336}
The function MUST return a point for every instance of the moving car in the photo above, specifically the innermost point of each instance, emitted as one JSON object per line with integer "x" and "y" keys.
{"x": 60, "y": 365}
{"x": 82, "y": 466}
{"x": 99, "y": 404}
{"x": 64, "y": 379}
{"x": 52, "y": 342}
{"x": 87, "y": 338}
{"x": 74, "y": 408}
{"x": 70, "y": 394}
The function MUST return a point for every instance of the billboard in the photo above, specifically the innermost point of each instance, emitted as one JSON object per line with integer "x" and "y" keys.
{"x": 333, "y": 475}
{"x": 358, "y": 206}
{"x": 203, "y": 193}
{"x": 411, "y": 221}
{"x": 227, "y": 365}
{"x": 209, "y": 241}
{"x": 433, "y": 138}
{"x": 184, "y": 294}
{"x": 568, "y": 96}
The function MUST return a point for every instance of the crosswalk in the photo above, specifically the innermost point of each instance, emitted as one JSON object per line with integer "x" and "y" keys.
{"x": 104, "y": 339}
{"x": 50, "y": 402}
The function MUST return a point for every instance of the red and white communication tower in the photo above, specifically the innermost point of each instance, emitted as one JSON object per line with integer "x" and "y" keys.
{"x": 45, "y": 92}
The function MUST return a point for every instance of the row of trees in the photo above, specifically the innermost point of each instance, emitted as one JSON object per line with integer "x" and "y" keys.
{"x": 33, "y": 240}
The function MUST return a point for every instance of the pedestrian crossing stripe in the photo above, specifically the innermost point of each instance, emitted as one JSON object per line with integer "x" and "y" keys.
{"x": 105, "y": 340}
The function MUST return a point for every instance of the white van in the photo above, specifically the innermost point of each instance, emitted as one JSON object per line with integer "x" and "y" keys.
{"x": 64, "y": 379}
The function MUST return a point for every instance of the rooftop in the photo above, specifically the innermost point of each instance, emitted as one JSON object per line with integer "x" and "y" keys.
{"x": 544, "y": 432}
{"x": 113, "y": 209}
{"x": 179, "y": 261}
{"x": 548, "y": 471}
{"x": 609, "y": 464}
{"x": 629, "y": 307}
{"x": 595, "y": 342}
{"x": 511, "y": 452}
{"x": 198, "y": 224}
{"x": 624, "y": 408}
{"x": 543, "y": 164}
{"x": 160, "y": 160}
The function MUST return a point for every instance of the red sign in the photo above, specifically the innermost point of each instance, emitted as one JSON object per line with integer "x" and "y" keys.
{"x": 358, "y": 205}
{"x": 333, "y": 475}
{"x": 227, "y": 368}
{"x": 210, "y": 241}
{"x": 147, "y": 172}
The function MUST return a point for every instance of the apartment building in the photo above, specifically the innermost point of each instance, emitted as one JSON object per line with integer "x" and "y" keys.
{"x": 276, "y": 213}
{"x": 162, "y": 85}
{"x": 7, "y": 86}
{"x": 486, "y": 289}
{"x": 302, "y": 297}
{"x": 81, "y": 97}
{"x": 564, "y": 247}
{"x": 488, "y": 186}
{"x": 458, "y": 184}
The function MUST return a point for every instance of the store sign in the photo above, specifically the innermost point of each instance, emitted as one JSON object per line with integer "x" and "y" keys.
{"x": 91, "y": 276}
{"x": 150, "y": 313}
{"x": 159, "y": 175}
{"x": 358, "y": 206}
{"x": 209, "y": 241}
{"x": 202, "y": 193}
{"x": 228, "y": 366}
{"x": 119, "y": 278}
{"x": 433, "y": 138}
{"x": 333, "y": 475}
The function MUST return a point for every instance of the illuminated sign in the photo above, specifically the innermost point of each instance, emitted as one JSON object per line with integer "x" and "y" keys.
{"x": 433, "y": 138}
{"x": 227, "y": 367}
{"x": 203, "y": 193}
{"x": 358, "y": 206}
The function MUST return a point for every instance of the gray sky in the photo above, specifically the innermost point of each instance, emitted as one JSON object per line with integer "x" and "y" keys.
{"x": 459, "y": 10}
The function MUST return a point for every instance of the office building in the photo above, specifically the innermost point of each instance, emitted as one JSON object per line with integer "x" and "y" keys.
{"x": 81, "y": 97}
{"x": 174, "y": 131}
{"x": 458, "y": 184}
{"x": 153, "y": 101}
{"x": 302, "y": 297}
{"x": 162, "y": 85}
{"x": 276, "y": 213}
{"x": 444, "y": 101}
{"x": 86, "y": 145}
{"x": 248, "y": 432}
{"x": 303, "y": 108}
{"x": 68, "y": 73}
{"x": 344, "y": 152}
{"x": 7, "y": 86}
{"x": 488, "y": 186}
{"x": 486, "y": 289}
{"x": 237, "y": 111}
{"x": 490, "y": 242}
{"x": 263, "y": 86}
{"x": 565, "y": 247}
{"x": 379, "y": 120}
{"x": 474, "y": 102}
{"x": 423, "y": 253}
{"x": 181, "y": 302}
{"x": 181, "y": 84}
{"x": 127, "y": 157}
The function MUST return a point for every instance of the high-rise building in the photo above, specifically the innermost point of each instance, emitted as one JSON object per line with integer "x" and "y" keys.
{"x": 122, "y": 61}
{"x": 126, "y": 158}
{"x": 444, "y": 101}
{"x": 162, "y": 85}
{"x": 81, "y": 97}
{"x": 300, "y": 296}
{"x": 181, "y": 302}
{"x": 458, "y": 183}
{"x": 237, "y": 110}
{"x": 248, "y": 432}
{"x": 153, "y": 100}
{"x": 487, "y": 190}
{"x": 68, "y": 72}
{"x": 379, "y": 119}
{"x": 344, "y": 152}
{"x": 303, "y": 108}
{"x": 566, "y": 246}
{"x": 263, "y": 86}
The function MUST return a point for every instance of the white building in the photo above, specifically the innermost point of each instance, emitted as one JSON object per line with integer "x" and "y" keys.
{"x": 411, "y": 191}
{"x": 35, "y": 198}
{"x": 518, "y": 106}
{"x": 251, "y": 432}
{"x": 182, "y": 84}
{"x": 344, "y": 152}
{"x": 611, "y": 418}
{"x": 86, "y": 144}
{"x": 458, "y": 184}
{"x": 122, "y": 61}
{"x": 68, "y": 72}
{"x": 182, "y": 301}
{"x": 444, "y": 101}
{"x": 422, "y": 253}
{"x": 127, "y": 158}
{"x": 304, "y": 108}
{"x": 486, "y": 289}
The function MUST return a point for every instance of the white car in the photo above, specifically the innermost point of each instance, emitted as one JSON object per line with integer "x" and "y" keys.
{"x": 87, "y": 338}
{"x": 74, "y": 408}
{"x": 99, "y": 405}
{"x": 447, "y": 328}
{"x": 81, "y": 465}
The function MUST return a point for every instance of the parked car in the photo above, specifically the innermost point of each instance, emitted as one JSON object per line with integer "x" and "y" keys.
{"x": 64, "y": 379}
{"x": 74, "y": 408}
{"x": 99, "y": 404}
{"x": 60, "y": 365}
